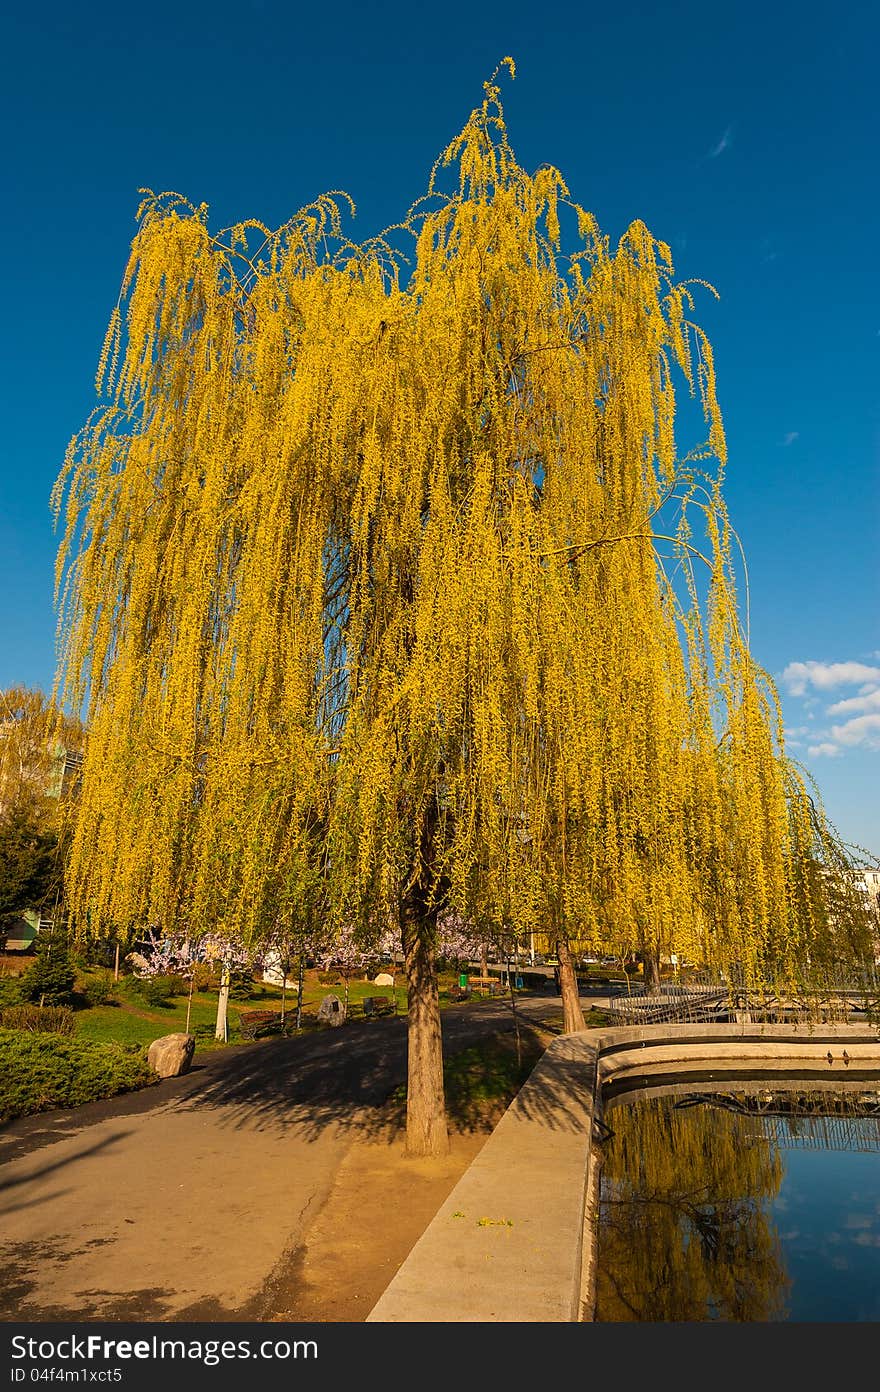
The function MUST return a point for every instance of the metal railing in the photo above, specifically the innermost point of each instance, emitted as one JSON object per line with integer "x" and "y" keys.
{"x": 706, "y": 996}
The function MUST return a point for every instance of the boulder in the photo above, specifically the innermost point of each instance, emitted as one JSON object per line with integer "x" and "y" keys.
{"x": 383, "y": 979}
{"x": 331, "y": 1011}
{"x": 172, "y": 1054}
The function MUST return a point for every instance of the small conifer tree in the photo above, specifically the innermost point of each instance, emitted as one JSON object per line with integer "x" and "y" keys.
{"x": 50, "y": 977}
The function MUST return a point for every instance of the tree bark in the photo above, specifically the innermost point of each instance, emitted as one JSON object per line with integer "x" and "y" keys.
{"x": 651, "y": 971}
{"x": 572, "y": 1015}
{"x": 222, "y": 1031}
{"x": 299, "y": 991}
{"x": 189, "y": 997}
{"x": 426, "y": 1132}
{"x": 510, "y": 984}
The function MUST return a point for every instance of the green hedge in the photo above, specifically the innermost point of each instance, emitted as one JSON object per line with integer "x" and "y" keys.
{"x": 38, "y": 1019}
{"x": 41, "y": 1071}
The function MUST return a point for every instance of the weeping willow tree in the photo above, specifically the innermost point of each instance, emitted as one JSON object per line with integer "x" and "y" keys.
{"x": 379, "y": 587}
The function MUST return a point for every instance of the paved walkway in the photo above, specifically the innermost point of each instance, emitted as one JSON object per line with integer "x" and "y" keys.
{"x": 180, "y": 1201}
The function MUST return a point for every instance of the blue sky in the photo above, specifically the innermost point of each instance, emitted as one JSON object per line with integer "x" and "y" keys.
{"x": 746, "y": 138}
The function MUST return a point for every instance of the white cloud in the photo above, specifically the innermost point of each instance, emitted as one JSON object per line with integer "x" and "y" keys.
{"x": 791, "y": 436}
{"x": 798, "y": 676}
{"x": 823, "y": 751}
{"x": 723, "y": 144}
{"x": 869, "y": 701}
{"x": 863, "y": 730}
{"x": 859, "y": 1220}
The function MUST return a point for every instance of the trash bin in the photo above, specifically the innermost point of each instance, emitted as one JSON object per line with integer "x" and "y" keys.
{"x": 463, "y": 981}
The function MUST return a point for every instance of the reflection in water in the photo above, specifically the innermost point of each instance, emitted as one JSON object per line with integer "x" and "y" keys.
{"x": 683, "y": 1229}
{"x": 734, "y": 1206}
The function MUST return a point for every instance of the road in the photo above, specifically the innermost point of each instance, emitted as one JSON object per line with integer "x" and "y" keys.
{"x": 181, "y": 1200}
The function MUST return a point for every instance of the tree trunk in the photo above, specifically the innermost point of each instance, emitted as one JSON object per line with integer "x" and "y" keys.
{"x": 426, "y": 1132}
{"x": 651, "y": 971}
{"x": 299, "y": 991}
{"x": 222, "y": 1030}
{"x": 484, "y": 961}
{"x": 189, "y": 997}
{"x": 515, "y": 1024}
{"x": 572, "y": 1015}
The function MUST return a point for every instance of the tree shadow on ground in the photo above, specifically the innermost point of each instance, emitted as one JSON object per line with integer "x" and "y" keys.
{"x": 480, "y": 1081}
{"x": 8, "y": 1184}
{"x": 353, "y": 1077}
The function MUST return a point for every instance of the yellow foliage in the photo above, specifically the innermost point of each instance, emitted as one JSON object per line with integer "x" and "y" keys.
{"x": 35, "y": 738}
{"x": 372, "y": 579}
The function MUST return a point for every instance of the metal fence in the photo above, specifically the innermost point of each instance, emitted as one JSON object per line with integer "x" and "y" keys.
{"x": 707, "y": 997}
{"x": 801, "y": 1120}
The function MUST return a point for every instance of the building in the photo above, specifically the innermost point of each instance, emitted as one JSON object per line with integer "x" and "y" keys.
{"x": 868, "y": 885}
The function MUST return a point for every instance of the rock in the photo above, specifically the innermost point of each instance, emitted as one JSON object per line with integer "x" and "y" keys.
{"x": 172, "y": 1054}
{"x": 273, "y": 974}
{"x": 331, "y": 1011}
{"x": 383, "y": 979}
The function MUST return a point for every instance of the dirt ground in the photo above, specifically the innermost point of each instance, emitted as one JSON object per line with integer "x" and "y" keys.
{"x": 375, "y": 1213}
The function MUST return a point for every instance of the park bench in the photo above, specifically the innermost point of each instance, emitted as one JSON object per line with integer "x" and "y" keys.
{"x": 487, "y": 984}
{"x": 378, "y": 1005}
{"x": 253, "y": 1023}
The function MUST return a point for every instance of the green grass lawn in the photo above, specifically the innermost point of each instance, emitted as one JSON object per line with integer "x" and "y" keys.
{"x": 481, "y": 1081}
{"x": 128, "y": 1019}
{"x": 132, "y": 1021}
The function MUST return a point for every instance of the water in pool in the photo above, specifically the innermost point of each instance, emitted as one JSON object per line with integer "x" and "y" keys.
{"x": 741, "y": 1205}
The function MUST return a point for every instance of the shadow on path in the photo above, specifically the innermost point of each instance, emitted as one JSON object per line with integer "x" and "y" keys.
{"x": 42, "y": 1171}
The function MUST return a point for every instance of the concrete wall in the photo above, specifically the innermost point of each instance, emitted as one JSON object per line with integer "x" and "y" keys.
{"x": 515, "y": 1240}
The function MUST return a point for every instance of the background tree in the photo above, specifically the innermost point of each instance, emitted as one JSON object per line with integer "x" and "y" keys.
{"x": 39, "y": 748}
{"x": 386, "y": 582}
{"x": 36, "y": 738}
{"x": 182, "y": 954}
{"x": 50, "y": 978}
{"x": 346, "y": 955}
{"x": 30, "y": 874}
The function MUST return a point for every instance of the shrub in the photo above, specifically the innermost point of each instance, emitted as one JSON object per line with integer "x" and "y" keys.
{"x": 100, "y": 954}
{"x": 206, "y": 977}
{"x": 158, "y": 990}
{"x": 50, "y": 977}
{"x": 38, "y": 1019}
{"x": 241, "y": 985}
{"x": 40, "y": 1071}
{"x": 10, "y": 992}
{"x": 328, "y": 978}
{"x": 98, "y": 989}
